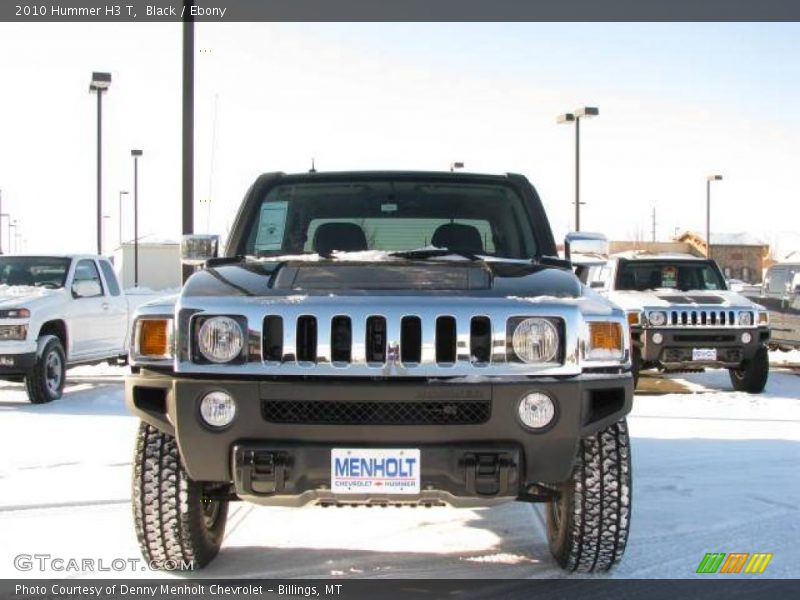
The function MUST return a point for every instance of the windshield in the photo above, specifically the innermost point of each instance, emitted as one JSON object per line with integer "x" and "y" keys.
{"x": 39, "y": 271}
{"x": 675, "y": 275}
{"x": 390, "y": 215}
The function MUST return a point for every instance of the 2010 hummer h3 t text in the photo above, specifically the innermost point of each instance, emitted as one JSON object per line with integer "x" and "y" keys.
{"x": 683, "y": 317}
{"x": 383, "y": 339}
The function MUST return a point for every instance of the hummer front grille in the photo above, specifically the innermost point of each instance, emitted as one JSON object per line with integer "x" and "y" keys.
{"x": 390, "y": 336}
{"x": 334, "y": 341}
{"x": 705, "y": 317}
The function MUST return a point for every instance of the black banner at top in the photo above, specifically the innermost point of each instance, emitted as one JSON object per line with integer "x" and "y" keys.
{"x": 397, "y": 10}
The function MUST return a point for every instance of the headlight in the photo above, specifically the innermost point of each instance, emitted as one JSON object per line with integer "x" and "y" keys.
{"x": 13, "y": 332}
{"x": 218, "y": 409}
{"x": 220, "y": 339}
{"x": 535, "y": 341}
{"x": 745, "y": 318}
{"x": 605, "y": 341}
{"x": 153, "y": 338}
{"x": 657, "y": 318}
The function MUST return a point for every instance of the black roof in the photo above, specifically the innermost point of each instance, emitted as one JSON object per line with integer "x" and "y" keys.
{"x": 378, "y": 175}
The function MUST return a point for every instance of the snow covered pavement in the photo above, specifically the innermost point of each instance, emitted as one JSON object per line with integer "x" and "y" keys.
{"x": 714, "y": 471}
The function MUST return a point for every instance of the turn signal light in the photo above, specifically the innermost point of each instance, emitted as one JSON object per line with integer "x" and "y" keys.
{"x": 605, "y": 341}
{"x": 634, "y": 317}
{"x": 153, "y": 338}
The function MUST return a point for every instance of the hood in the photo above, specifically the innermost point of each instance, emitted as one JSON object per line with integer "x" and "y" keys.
{"x": 420, "y": 277}
{"x": 667, "y": 298}
{"x": 25, "y": 296}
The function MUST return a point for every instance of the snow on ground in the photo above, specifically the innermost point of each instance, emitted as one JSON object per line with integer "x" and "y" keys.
{"x": 714, "y": 471}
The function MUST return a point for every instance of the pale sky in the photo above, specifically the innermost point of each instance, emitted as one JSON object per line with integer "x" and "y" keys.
{"x": 677, "y": 102}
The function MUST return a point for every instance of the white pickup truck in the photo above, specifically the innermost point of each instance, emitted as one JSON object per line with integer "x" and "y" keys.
{"x": 57, "y": 312}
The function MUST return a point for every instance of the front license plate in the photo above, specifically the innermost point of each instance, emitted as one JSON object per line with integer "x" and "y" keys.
{"x": 704, "y": 354}
{"x": 370, "y": 471}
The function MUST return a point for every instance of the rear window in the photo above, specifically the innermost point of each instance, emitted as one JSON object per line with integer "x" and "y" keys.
{"x": 485, "y": 219}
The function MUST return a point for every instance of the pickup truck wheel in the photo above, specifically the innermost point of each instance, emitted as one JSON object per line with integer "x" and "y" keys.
{"x": 46, "y": 380}
{"x": 752, "y": 376}
{"x": 178, "y": 527}
{"x": 587, "y": 525}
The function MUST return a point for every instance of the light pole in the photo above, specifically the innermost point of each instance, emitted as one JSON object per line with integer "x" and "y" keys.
{"x": 7, "y": 216}
{"x": 576, "y": 116}
{"x": 12, "y": 239}
{"x": 2, "y": 214}
{"x": 136, "y": 154}
{"x": 187, "y": 120}
{"x": 99, "y": 84}
{"x": 106, "y": 221}
{"x": 709, "y": 179}
{"x": 121, "y": 194}
{"x": 456, "y": 165}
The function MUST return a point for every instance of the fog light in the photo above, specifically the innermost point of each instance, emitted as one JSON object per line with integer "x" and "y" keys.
{"x": 218, "y": 409}
{"x": 746, "y": 337}
{"x": 536, "y": 410}
{"x": 657, "y": 338}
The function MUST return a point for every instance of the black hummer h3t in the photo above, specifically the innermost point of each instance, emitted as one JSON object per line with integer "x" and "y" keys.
{"x": 383, "y": 339}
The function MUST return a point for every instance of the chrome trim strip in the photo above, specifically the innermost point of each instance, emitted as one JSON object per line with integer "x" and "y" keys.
{"x": 393, "y": 308}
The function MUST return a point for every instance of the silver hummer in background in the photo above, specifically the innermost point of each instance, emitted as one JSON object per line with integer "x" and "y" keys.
{"x": 683, "y": 317}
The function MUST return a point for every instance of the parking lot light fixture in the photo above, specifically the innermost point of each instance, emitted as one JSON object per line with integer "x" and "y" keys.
{"x": 456, "y": 165}
{"x": 99, "y": 84}
{"x": 575, "y": 116}
{"x": 136, "y": 154}
{"x": 709, "y": 179}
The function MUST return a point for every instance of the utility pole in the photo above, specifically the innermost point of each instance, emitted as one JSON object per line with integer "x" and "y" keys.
{"x": 654, "y": 223}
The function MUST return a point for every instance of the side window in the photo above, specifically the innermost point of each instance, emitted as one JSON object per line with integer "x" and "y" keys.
{"x": 777, "y": 281}
{"x": 88, "y": 279}
{"x": 111, "y": 277}
{"x": 598, "y": 277}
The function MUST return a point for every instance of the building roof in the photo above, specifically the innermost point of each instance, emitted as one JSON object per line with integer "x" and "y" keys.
{"x": 735, "y": 239}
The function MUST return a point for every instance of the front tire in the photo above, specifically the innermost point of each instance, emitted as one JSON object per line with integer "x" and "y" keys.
{"x": 178, "y": 527}
{"x": 587, "y": 525}
{"x": 753, "y": 374}
{"x": 45, "y": 382}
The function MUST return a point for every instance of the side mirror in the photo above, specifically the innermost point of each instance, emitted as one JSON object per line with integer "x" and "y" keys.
{"x": 87, "y": 288}
{"x": 197, "y": 249}
{"x": 586, "y": 248}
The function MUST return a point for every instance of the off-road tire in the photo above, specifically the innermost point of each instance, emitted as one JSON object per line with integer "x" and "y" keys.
{"x": 587, "y": 526}
{"x": 170, "y": 513}
{"x": 45, "y": 382}
{"x": 753, "y": 375}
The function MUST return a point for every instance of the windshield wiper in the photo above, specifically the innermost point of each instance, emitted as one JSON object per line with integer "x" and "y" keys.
{"x": 424, "y": 253}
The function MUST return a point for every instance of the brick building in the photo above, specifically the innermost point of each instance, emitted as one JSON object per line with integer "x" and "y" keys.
{"x": 739, "y": 255}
